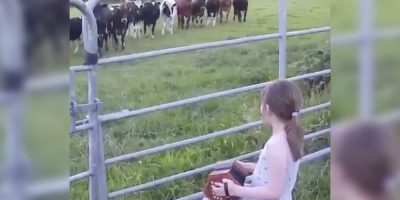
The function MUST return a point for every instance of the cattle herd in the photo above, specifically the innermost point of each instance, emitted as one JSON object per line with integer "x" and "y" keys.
{"x": 140, "y": 16}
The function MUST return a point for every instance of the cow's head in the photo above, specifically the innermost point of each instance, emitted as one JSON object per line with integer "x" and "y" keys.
{"x": 166, "y": 11}
{"x": 120, "y": 20}
{"x": 101, "y": 12}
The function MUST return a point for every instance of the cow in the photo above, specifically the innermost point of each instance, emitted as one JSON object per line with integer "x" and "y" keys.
{"x": 224, "y": 7}
{"x": 75, "y": 31}
{"x": 185, "y": 9}
{"x": 103, "y": 15}
{"x": 46, "y": 25}
{"x": 119, "y": 26}
{"x": 199, "y": 9}
{"x": 168, "y": 12}
{"x": 240, "y": 6}
{"x": 151, "y": 13}
{"x": 212, "y": 7}
{"x": 135, "y": 17}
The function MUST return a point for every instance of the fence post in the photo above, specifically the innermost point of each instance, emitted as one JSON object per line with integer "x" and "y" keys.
{"x": 97, "y": 168}
{"x": 282, "y": 39}
{"x": 13, "y": 64}
{"x": 366, "y": 58}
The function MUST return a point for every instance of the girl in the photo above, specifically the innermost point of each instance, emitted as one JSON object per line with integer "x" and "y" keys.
{"x": 275, "y": 173}
{"x": 364, "y": 162}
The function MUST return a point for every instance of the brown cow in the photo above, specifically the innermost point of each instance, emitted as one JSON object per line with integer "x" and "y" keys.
{"x": 184, "y": 10}
{"x": 224, "y": 6}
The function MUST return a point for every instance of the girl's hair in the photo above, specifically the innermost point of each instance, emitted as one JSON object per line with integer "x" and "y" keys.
{"x": 285, "y": 100}
{"x": 366, "y": 152}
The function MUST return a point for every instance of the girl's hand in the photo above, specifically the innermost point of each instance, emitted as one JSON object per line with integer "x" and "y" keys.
{"x": 218, "y": 188}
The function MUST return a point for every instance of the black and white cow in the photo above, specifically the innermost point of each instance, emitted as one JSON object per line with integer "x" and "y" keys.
{"x": 199, "y": 9}
{"x": 103, "y": 14}
{"x": 135, "y": 17}
{"x": 118, "y": 26}
{"x": 75, "y": 31}
{"x": 240, "y": 6}
{"x": 151, "y": 13}
{"x": 168, "y": 12}
{"x": 212, "y": 7}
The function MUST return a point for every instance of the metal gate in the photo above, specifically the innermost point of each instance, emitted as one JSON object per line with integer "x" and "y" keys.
{"x": 96, "y": 172}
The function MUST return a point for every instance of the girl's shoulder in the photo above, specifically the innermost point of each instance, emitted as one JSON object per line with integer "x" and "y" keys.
{"x": 277, "y": 145}
{"x": 277, "y": 140}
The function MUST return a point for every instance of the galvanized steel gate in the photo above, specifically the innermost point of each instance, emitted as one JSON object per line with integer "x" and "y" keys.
{"x": 96, "y": 172}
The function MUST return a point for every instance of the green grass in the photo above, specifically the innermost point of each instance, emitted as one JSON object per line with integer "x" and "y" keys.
{"x": 169, "y": 78}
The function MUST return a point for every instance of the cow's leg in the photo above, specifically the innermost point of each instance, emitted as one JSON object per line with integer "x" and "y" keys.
{"x": 181, "y": 21}
{"x": 208, "y": 18}
{"x": 239, "y": 12}
{"x": 215, "y": 18}
{"x": 227, "y": 14}
{"x": 123, "y": 39}
{"x": 245, "y": 15}
{"x": 220, "y": 16}
{"x": 234, "y": 14}
{"x": 130, "y": 29}
{"x": 171, "y": 26}
{"x": 145, "y": 30}
{"x": 115, "y": 37}
{"x": 105, "y": 41}
{"x": 139, "y": 28}
{"x": 153, "y": 27}
{"x": 76, "y": 46}
{"x": 163, "y": 28}
{"x": 134, "y": 30}
{"x": 187, "y": 22}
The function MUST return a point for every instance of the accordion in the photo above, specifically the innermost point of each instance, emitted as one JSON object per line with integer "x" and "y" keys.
{"x": 236, "y": 173}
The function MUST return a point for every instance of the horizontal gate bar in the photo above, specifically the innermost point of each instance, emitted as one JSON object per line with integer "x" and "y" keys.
{"x": 165, "y": 147}
{"x": 354, "y": 37}
{"x": 317, "y": 134}
{"x": 49, "y": 82}
{"x": 57, "y": 186}
{"x": 81, "y": 128}
{"x": 79, "y": 176}
{"x": 79, "y": 68}
{"x": 390, "y": 117}
{"x": 125, "y": 114}
{"x": 195, "y": 47}
{"x": 204, "y": 169}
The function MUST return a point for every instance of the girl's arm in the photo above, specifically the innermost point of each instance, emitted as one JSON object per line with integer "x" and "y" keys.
{"x": 276, "y": 173}
{"x": 248, "y": 166}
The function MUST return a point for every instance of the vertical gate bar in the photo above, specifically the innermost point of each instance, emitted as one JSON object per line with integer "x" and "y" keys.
{"x": 12, "y": 63}
{"x": 98, "y": 185}
{"x": 282, "y": 39}
{"x": 72, "y": 95}
{"x": 366, "y": 58}
{"x": 97, "y": 181}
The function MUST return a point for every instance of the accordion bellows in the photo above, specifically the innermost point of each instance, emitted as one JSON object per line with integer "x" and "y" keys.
{"x": 236, "y": 173}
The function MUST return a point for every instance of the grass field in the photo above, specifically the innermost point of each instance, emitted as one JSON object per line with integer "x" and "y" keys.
{"x": 165, "y": 79}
